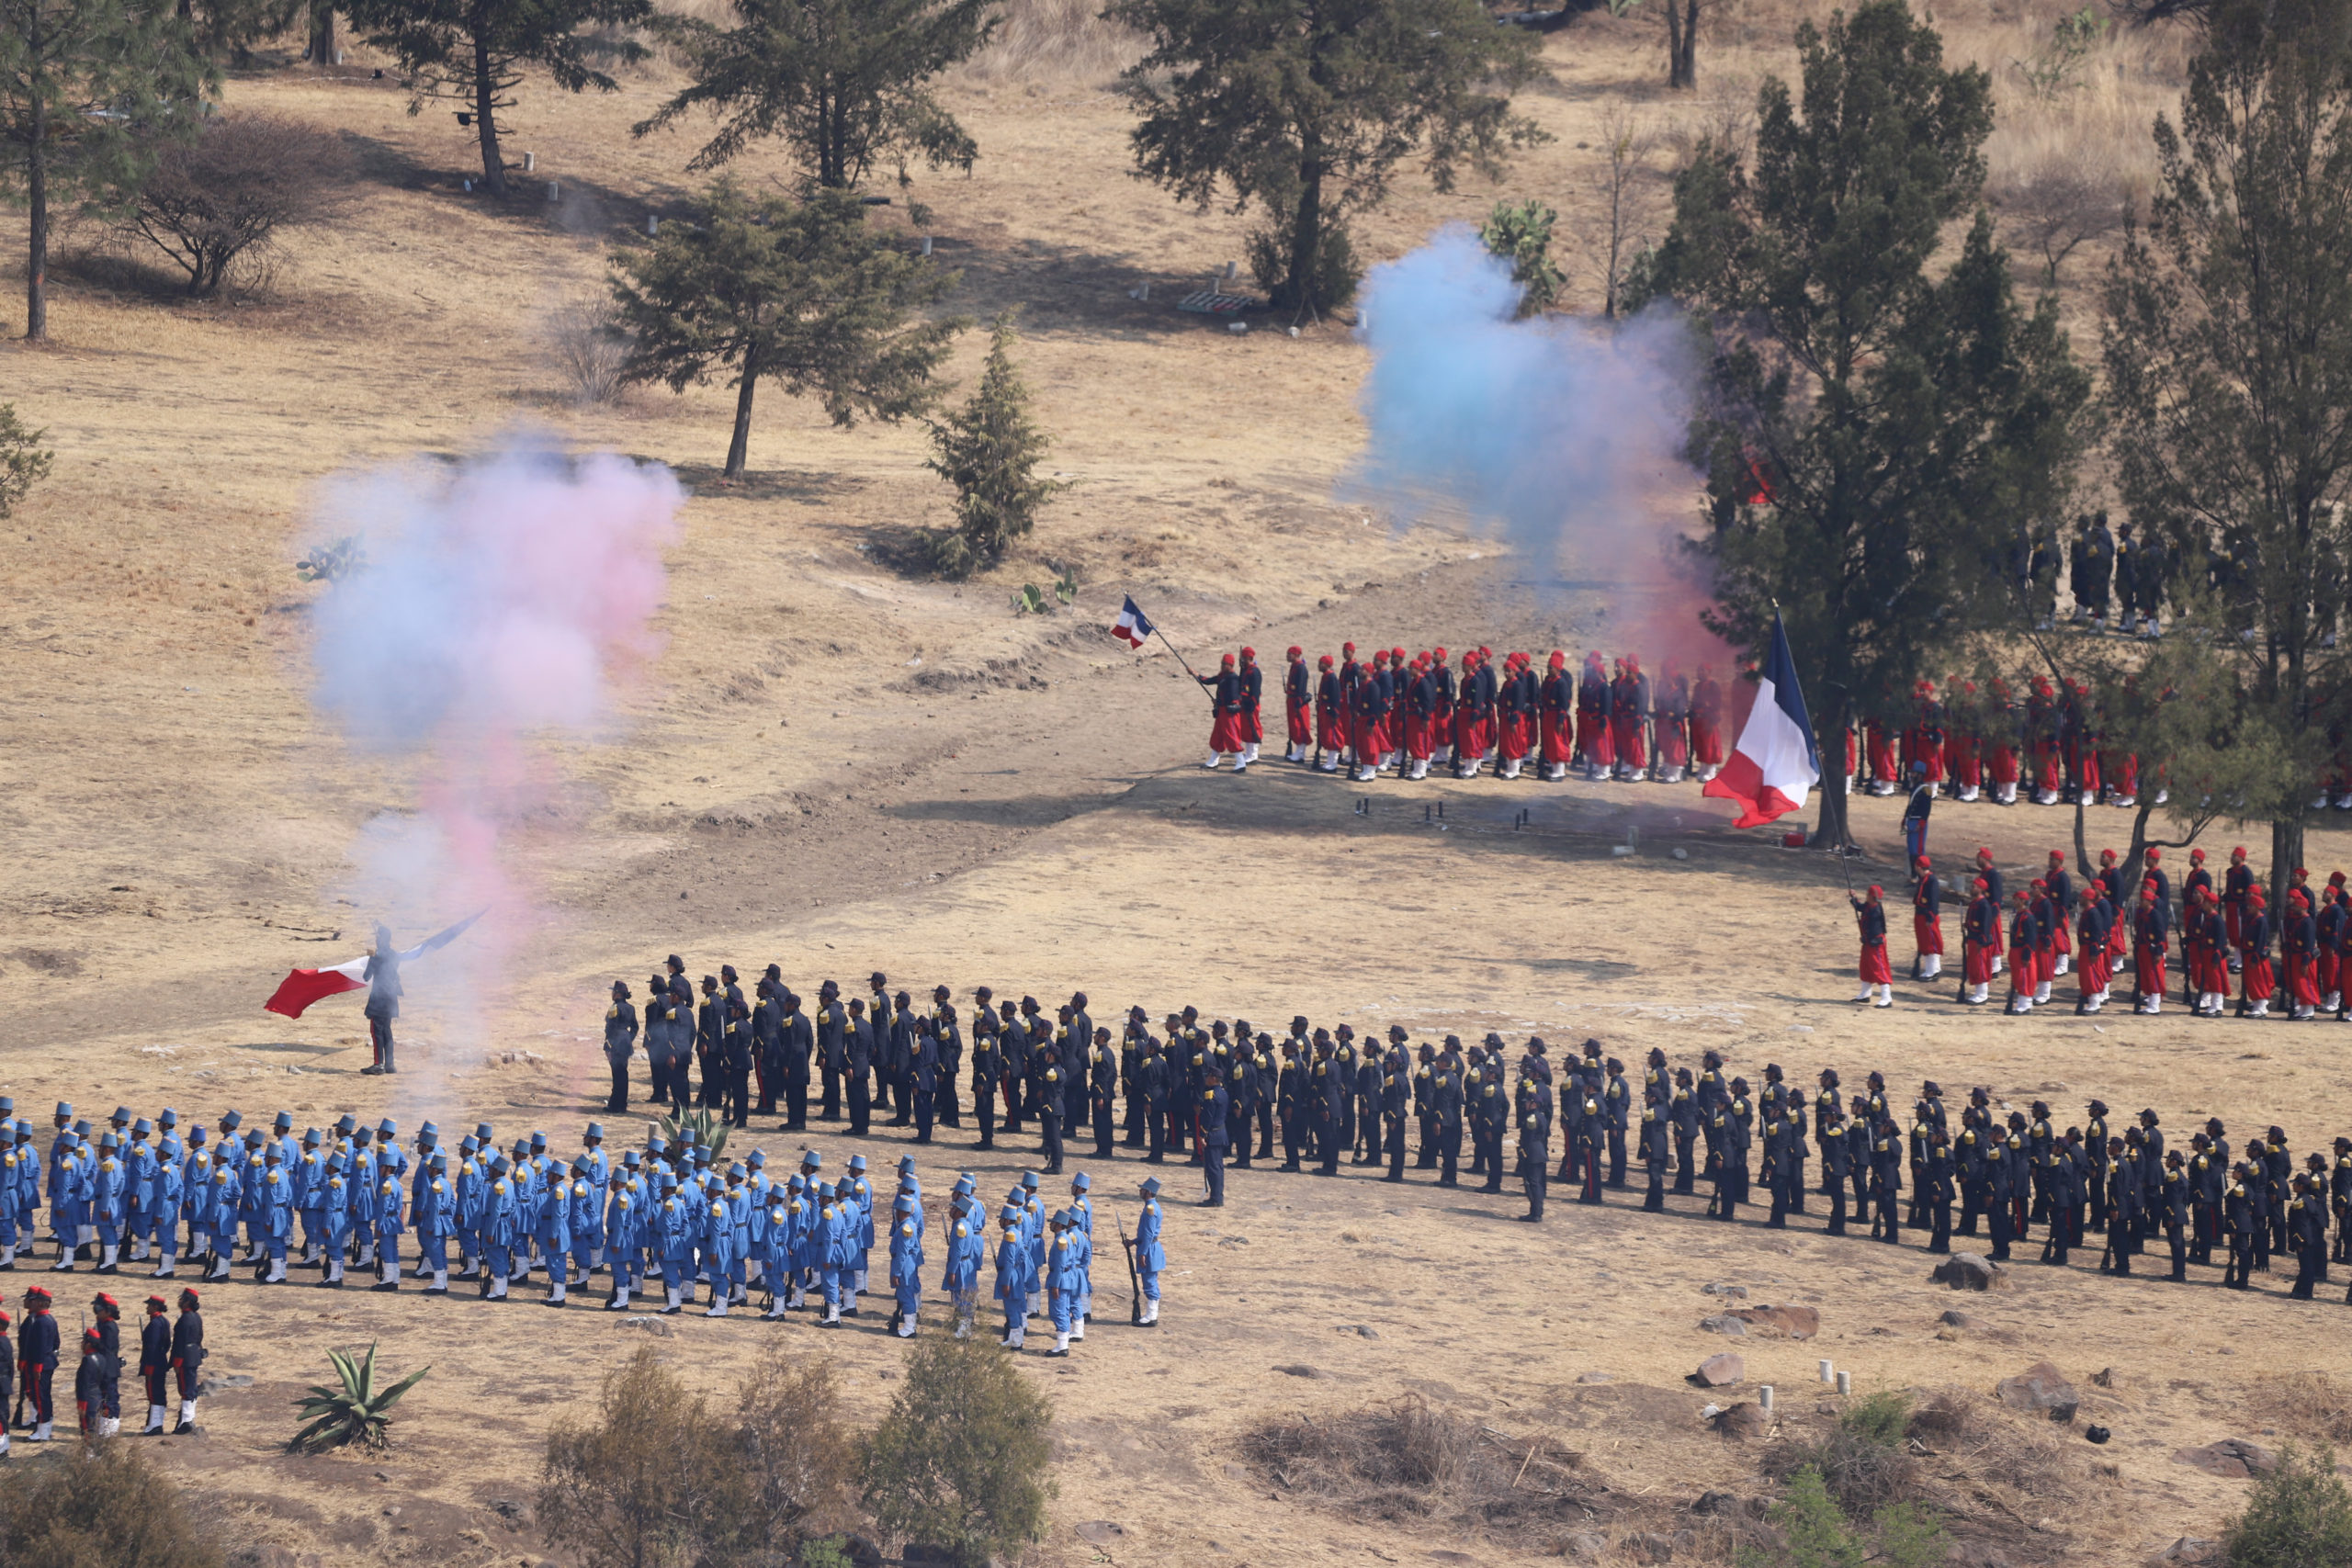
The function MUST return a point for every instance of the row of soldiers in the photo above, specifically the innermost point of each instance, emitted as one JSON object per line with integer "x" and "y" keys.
{"x": 171, "y": 1357}
{"x": 1391, "y": 712}
{"x": 672, "y": 1218}
{"x": 2298, "y": 959}
{"x": 678, "y": 1214}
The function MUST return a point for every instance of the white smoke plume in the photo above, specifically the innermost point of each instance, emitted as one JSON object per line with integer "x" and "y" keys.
{"x": 503, "y": 600}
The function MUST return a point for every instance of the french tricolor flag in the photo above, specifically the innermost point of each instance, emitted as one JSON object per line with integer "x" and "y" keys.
{"x": 302, "y": 987}
{"x": 1131, "y": 628}
{"x": 1775, "y": 763}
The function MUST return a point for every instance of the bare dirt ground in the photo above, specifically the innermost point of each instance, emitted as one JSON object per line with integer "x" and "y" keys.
{"x": 1021, "y": 807}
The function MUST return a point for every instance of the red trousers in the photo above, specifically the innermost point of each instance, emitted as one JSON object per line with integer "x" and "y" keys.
{"x": 2259, "y": 983}
{"x": 2093, "y": 975}
{"x": 1225, "y": 733}
{"x": 1512, "y": 748}
{"x": 1965, "y": 768}
{"x": 1707, "y": 743}
{"x": 1975, "y": 963}
{"x": 2301, "y": 983}
{"x": 2005, "y": 764}
{"x": 2149, "y": 963}
{"x": 1632, "y": 746}
{"x": 1875, "y": 969}
{"x": 1302, "y": 724}
{"x": 1929, "y": 933}
{"x": 1558, "y": 738}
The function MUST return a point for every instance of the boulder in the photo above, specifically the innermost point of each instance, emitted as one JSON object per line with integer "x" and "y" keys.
{"x": 2041, "y": 1387}
{"x": 2233, "y": 1459}
{"x": 1716, "y": 1504}
{"x": 1743, "y": 1421}
{"x": 1958, "y": 1319}
{"x": 1584, "y": 1547}
{"x": 1796, "y": 1322}
{"x": 1653, "y": 1547}
{"x": 1971, "y": 1271}
{"x": 1725, "y": 1323}
{"x": 1720, "y": 1371}
{"x": 2189, "y": 1548}
{"x": 1301, "y": 1370}
{"x": 1737, "y": 1293}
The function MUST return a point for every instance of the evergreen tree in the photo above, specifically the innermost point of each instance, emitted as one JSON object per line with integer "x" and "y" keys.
{"x": 990, "y": 451}
{"x": 2229, "y": 366}
{"x": 58, "y": 61}
{"x": 846, "y": 83}
{"x": 1303, "y": 108}
{"x": 475, "y": 51}
{"x": 1870, "y": 431}
{"x": 24, "y": 461}
{"x": 803, "y": 293}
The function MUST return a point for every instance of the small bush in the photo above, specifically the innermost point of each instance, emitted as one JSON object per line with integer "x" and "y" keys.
{"x": 659, "y": 1478}
{"x": 24, "y": 461}
{"x": 960, "y": 1460}
{"x": 100, "y": 1506}
{"x": 1522, "y": 235}
{"x": 1862, "y": 1464}
{"x": 590, "y": 343}
{"x": 224, "y": 194}
{"x": 2300, "y": 1516}
{"x": 1817, "y": 1534}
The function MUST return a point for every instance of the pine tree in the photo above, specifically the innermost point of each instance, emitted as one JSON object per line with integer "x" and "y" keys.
{"x": 846, "y": 83}
{"x": 2229, "y": 368}
{"x": 800, "y": 292}
{"x": 990, "y": 451}
{"x": 476, "y": 51}
{"x": 1870, "y": 431}
{"x": 1304, "y": 108}
{"x": 59, "y": 58}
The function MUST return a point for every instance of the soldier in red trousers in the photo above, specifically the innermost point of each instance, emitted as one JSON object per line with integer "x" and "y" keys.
{"x": 1330, "y": 716}
{"x": 1225, "y": 716}
{"x": 1707, "y": 748}
{"x": 1556, "y": 719}
{"x": 1298, "y": 704}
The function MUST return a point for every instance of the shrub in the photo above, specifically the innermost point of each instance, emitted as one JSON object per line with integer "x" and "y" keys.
{"x": 1862, "y": 1464}
{"x": 98, "y": 1506}
{"x": 659, "y": 1478}
{"x": 1817, "y": 1534}
{"x": 2300, "y": 1516}
{"x": 24, "y": 461}
{"x": 960, "y": 1460}
{"x": 352, "y": 1410}
{"x": 591, "y": 346}
{"x": 1522, "y": 235}
{"x": 990, "y": 451}
{"x": 224, "y": 194}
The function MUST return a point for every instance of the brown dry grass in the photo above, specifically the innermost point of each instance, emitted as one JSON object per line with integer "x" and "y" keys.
{"x": 1021, "y": 807}
{"x": 2313, "y": 1405}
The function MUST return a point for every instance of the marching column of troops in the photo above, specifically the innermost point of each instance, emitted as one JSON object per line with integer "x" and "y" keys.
{"x": 1400, "y": 713}
{"x": 2299, "y": 959}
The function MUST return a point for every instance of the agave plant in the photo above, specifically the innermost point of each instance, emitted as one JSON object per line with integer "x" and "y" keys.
{"x": 708, "y": 1127}
{"x": 355, "y": 1412}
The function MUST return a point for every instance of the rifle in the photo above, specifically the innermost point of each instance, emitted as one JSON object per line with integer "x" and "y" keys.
{"x": 1134, "y": 1281}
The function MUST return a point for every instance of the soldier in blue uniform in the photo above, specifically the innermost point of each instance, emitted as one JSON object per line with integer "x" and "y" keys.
{"x": 1533, "y": 1120}
{"x": 906, "y": 1268}
{"x": 1151, "y": 1257}
{"x": 1215, "y": 1138}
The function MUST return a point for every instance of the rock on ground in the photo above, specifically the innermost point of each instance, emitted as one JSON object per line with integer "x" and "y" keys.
{"x": 2041, "y": 1387}
{"x": 1720, "y": 1371}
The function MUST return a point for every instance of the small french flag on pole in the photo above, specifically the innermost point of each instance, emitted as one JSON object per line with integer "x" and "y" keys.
{"x": 1775, "y": 763}
{"x": 1132, "y": 627}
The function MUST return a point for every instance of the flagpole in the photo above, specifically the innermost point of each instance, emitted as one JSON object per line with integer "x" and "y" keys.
{"x": 1179, "y": 657}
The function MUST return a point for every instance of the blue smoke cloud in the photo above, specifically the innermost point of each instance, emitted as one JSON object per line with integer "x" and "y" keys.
{"x": 1565, "y": 432}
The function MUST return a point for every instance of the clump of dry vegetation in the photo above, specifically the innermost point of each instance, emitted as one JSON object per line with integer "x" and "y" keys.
{"x": 1049, "y": 41}
{"x": 1982, "y": 1473}
{"x": 1408, "y": 1461}
{"x": 2309, "y": 1404}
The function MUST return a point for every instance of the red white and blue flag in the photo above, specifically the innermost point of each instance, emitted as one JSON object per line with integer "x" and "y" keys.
{"x": 302, "y": 987}
{"x": 1131, "y": 628}
{"x": 1775, "y": 763}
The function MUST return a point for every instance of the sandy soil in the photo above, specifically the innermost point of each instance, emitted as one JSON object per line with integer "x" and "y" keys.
{"x": 1021, "y": 808}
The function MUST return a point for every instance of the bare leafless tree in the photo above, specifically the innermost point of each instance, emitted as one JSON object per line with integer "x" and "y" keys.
{"x": 2058, "y": 206}
{"x": 591, "y": 345}
{"x": 226, "y": 194}
{"x": 1630, "y": 196}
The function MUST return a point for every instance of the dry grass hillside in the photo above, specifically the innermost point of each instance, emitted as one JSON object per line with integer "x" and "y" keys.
{"x": 841, "y": 766}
